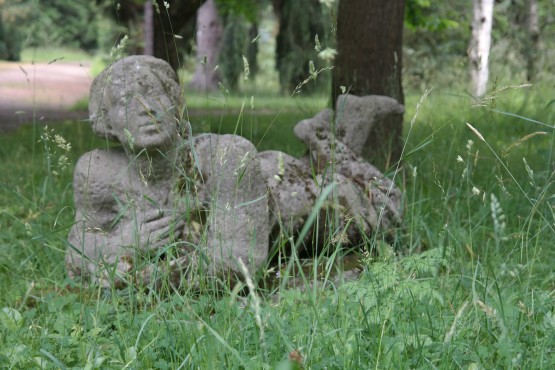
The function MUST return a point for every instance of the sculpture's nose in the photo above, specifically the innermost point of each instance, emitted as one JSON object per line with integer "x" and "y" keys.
{"x": 149, "y": 111}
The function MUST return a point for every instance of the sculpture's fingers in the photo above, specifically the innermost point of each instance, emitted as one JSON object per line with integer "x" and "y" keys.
{"x": 162, "y": 233}
{"x": 154, "y": 215}
{"x": 164, "y": 222}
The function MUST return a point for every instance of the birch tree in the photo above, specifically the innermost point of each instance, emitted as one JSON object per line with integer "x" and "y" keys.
{"x": 480, "y": 44}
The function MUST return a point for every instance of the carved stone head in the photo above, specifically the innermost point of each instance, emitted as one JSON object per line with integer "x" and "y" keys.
{"x": 136, "y": 102}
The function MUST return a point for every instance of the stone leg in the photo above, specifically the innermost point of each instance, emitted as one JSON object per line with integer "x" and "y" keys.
{"x": 235, "y": 190}
{"x": 292, "y": 191}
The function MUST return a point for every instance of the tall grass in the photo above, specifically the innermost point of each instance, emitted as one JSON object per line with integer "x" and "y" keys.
{"x": 468, "y": 282}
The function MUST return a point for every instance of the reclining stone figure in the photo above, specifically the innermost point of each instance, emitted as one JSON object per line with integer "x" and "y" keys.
{"x": 364, "y": 201}
{"x": 166, "y": 203}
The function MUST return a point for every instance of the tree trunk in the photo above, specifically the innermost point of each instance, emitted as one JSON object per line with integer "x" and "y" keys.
{"x": 480, "y": 43}
{"x": 369, "y": 62}
{"x": 170, "y": 22}
{"x": 209, "y": 37}
{"x": 252, "y": 49}
{"x": 533, "y": 39}
{"x": 167, "y": 23}
{"x": 149, "y": 28}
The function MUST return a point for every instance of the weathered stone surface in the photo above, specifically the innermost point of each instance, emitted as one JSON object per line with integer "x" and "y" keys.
{"x": 332, "y": 155}
{"x": 135, "y": 102}
{"x": 292, "y": 191}
{"x": 161, "y": 205}
{"x": 234, "y": 190}
{"x": 128, "y": 214}
{"x": 356, "y": 116}
{"x": 121, "y": 217}
{"x": 347, "y": 214}
{"x": 315, "y": 133}
{"x": 124, "y": 198}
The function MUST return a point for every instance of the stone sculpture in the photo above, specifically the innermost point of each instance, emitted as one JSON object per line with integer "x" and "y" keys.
{"x": 366, "y": 202}
{"x": 356, "y": 116}
{"x": 232, "y": 190}
{"x": 129, "y": 209}
{"x": 166, "y": 203}
{"x": 124, "y": 195}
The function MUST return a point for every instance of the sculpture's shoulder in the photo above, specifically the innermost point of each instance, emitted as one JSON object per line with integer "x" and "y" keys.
{"x": 102, "y": 163}
{"x": 312, "y": 129}
{"x": 98, "y": 172}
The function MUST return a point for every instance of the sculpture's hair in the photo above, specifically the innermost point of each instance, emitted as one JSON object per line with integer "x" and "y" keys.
{"x": 124, "y": 72}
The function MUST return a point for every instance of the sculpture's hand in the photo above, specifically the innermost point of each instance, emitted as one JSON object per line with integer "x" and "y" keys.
{"x": 160, "y": 231}
{"x": 149, "y": 231}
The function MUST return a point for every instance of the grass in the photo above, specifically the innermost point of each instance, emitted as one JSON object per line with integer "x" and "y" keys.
{"x": 468, "y": 282}
{"x": 252, "y": 101}
{"x": 45, "y": 55}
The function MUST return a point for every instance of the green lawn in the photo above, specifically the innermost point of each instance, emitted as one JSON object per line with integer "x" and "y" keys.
{"x": 45, "y": 54}
{"x": 467, "y": 283}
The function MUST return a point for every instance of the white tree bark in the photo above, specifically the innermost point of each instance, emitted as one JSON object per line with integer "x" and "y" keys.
{"x": 209, "y": 37}
{"x": 480, "y": 44}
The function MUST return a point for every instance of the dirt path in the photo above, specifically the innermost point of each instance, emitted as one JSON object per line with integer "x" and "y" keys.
{"x": 44, "y": 92}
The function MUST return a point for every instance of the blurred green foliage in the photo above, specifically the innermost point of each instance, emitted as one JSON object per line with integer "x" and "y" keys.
{"x": 421, "y": 14}
{"x": 79, "y": 24}
{"x": 12, "y": 15}
{"x": 63, "y": 22}
{"x": 300, "y": 23}
{"x": 246, "y": 8}
{"x": 237, "y": 44}
{"x": 3, "y": 49}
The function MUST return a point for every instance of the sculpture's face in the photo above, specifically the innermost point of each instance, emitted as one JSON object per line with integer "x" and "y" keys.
{"x": 143, "y": 117}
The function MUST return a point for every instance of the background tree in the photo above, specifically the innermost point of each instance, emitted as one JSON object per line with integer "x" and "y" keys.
{"x": 437, "y": 36}
{"x": 209, "y": 42}
{"x": 299, "y": 22}
{"x": 369, "y": 62}
{"x": 239, "y": 39}
{"x": 434, "y": 42}
{"x": 62, "y": 22}
{"x": 225, "y": 31}
{"x": 480, "y": 44}
{"x": 178, "y": 19}
{"x": 149, "y": 28}
{"x": 14, "y": 16}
